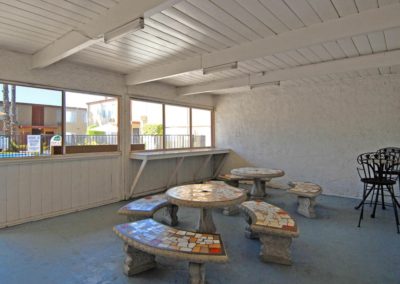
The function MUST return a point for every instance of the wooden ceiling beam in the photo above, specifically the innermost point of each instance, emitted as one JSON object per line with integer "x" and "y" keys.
{"x": 366, "y": 22}
{"x": 376, "y": 60}
{"x": 88, "y": 34}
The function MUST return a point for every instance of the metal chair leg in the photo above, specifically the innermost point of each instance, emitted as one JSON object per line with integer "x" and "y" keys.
{"x": 391, "y": 191}
{"x": 376, "y": 201}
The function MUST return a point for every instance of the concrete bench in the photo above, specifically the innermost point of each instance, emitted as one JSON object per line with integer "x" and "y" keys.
{"x": 147, "y": 206}
{"x": 306, "y": 194}
{"x": 147, "y": 238}
{"x": 274, "y": 227}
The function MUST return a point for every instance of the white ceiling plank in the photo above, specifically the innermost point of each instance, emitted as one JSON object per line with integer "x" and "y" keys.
{"x": 395, "y": 69}
{"x": 161, "y": 43}
{"x": 248, "y": 66}
{"x": 73, "y": 8}
{"x": 387, "y": 2}
{"x": 277, "y": 62}
{"x": 18, "y": 32}
{"x": 206, "y": 19}
{"x": 167, "y": 30}
{"x": 324, "y": 9}
{"x": 366, "y": 22}
{"x": 348, "y": 47}
{"x": 40, "y": 8}
{"x": 362, "y": 44}
{"x": 321, "y": 52}
{"x": 345, "y": 7}
{"x": 287, "y": 59}
{"x": 334, "y": 49}
{"x": 89, "y": 5}
{"x": 9, "y": 23}
{"x": 173, "y": 40}
{"x": 74, "y": 41}
{"x": 244, "y": 16}
{"x": 392, "y": 37}
{"x": 364, "y": 62}
{"x": 298, "y": 57}
{"x": 181, "y": 28}
{"x": 384, "y": 70}
{"x": 309, "y": 55}
{"x": 268, "y": 65}
{"x": 304, "y": 11}
{"x": 363, "y": 5}
{"x": 106, "y": 3}
{"x": 219, "y": 14}
{"x": 263, "y": 15}
{"x": 259, "y": 65}
{"x": 284, "y": 14}
{"x": 377, "y": 41}
{"x": 32, "y": 19}
{"x": 161, "y": 72}
{"x": 199, "y": 27}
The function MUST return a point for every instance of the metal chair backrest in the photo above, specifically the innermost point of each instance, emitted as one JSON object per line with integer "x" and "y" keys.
{"x": 376, "y": 165}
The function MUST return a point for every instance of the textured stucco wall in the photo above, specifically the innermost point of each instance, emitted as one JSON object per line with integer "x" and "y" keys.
{"x": 313, "y": 132}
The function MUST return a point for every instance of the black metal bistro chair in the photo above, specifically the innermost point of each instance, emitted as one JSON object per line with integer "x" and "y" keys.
{"x": 395, "y": 151}
{"x": 375, "y": 171}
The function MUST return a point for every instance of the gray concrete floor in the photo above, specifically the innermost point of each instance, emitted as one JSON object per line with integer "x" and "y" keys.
{"x": 81, "y": 248}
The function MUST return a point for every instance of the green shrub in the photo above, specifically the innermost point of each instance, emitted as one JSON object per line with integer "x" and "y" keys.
{"x": 152, "y": 129}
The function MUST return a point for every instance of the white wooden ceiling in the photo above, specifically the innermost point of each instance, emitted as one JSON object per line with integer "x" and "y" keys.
{"x": 196, "y": 27}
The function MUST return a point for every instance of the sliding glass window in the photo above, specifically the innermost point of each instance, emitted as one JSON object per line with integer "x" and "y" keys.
{"x": 90, "y": 120}
{"x": 29, "y": 119}
{"x": 157, "y": 126}
{"x": 32, "y": 124}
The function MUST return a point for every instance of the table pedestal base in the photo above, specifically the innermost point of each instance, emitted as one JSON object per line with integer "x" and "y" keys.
{"x": 137, "y": 261}
{"x": 197, "y": 273}
{"x": 206, "y": 222}
{"x": 257, "y": 190}
{"x": 232, "y": 210}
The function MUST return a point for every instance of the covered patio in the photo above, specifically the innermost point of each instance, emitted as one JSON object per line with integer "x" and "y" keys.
{"x": 108, "y": 102}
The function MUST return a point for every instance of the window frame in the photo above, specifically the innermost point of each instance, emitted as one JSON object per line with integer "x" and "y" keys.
{"x": 63, "y": 117}
{"x": 190, "y": 106}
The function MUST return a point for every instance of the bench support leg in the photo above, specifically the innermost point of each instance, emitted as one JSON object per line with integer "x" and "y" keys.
{"x": 206, "y": 222}
{"x": 248, "y": 232}
{"x": 275, "y": 249}
{"x": 169, "y": 215}
{"x": 306, "y": 206}
{"x": 197, "y": 273}
{"x": 137, "y": 261}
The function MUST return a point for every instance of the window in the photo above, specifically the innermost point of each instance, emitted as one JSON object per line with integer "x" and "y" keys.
{"x": 29, "y": 118}
{"x": 90, "y": 120}
{"x": 177, "y": 127}
{"x": 201, "y": 127}
{"x": 31, "y": 122}
{"x": 158, "y": 126}
{"x": 147, "y": 124}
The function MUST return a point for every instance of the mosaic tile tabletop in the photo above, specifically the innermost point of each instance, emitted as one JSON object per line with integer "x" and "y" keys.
{"x": 205, "y": 195}
{"x": 258, "y": 172}
{"x": 305, "y": 188}
{"x": 153, "y": 234}
{"x": 229, "y": 177}
{"x": 267, "y": 215}
{"x": 147, "y": 204}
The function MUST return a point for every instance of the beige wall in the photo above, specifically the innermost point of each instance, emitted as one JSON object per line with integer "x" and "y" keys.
{"x": 313, "y": 132}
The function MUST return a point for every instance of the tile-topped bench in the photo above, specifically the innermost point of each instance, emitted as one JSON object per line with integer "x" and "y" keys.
{"x": 231, "y": 210}
{"x": 147, "y": 238}
{"x": 147, "y": 206}
{"x": 306, "y": 194}
{"x": 274, "y": 227}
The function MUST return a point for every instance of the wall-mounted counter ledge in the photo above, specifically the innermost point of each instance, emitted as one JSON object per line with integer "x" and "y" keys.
{"x": 145, "y": 156}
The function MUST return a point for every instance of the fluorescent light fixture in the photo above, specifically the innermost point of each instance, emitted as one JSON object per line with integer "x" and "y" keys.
{"x": 123, "y": 30}
{"x": 255, "y": 86}
{"x": 219, "y": 68}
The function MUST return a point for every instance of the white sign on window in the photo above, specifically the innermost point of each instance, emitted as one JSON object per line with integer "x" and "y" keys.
{"x": 56, "y": 140}
{"x": 33, "y": 143}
